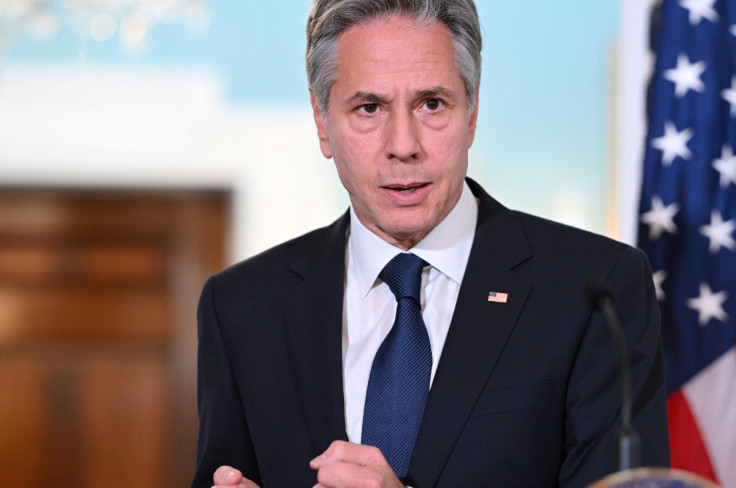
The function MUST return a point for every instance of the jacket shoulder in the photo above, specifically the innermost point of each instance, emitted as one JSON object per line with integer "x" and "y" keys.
{"x": 538, "y": 229}
{"x": 576, "y": 250}
{"x": 293, "y": 259}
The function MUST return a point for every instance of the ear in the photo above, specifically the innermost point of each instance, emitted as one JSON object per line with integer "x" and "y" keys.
{"x": 473, "y": 119}
{"x": 321, "y": 123}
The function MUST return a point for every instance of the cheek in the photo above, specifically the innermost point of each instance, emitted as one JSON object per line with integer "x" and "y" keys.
{"x": 353, "y": 173}
{"x": 343, "y": 174}
{"x": 448, "y": 151}
{"x": 354, "y": 159}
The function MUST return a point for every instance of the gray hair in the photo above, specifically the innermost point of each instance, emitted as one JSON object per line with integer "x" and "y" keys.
{"x": 329, "y": 18}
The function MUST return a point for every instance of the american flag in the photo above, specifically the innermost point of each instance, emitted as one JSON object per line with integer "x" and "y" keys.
{"x": 497, "y": 297}
{"x": 688, "y": 218}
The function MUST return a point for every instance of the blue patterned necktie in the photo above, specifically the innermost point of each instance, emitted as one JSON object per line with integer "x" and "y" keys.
{"x": 399, "y": 380}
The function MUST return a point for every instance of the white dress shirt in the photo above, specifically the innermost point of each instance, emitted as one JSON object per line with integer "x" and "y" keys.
{"x": 369, "y": 307}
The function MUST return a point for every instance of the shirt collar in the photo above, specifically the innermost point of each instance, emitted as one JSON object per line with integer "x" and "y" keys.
{"x": 446, "y": 247}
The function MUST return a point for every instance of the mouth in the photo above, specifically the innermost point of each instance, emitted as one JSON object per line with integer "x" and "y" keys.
{"x": 406, "y": 189}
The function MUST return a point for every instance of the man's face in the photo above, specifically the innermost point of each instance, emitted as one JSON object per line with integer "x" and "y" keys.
{"x": 398, "y": 126}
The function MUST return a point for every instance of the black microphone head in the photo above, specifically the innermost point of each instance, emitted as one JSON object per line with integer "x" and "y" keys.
{"x": 597, "y": 289}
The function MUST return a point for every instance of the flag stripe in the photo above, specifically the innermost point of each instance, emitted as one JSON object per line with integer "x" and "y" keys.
{"x": 711, "y": 396}
{"x": 687, "y": 449}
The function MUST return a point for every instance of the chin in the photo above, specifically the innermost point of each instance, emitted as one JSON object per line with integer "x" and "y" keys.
{"x": 407, "y": 231}
{"x": 409, "y": 224}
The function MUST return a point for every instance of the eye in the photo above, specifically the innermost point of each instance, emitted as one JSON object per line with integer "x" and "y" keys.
{"x": 433, "y": 104}
{"x": 369, "y": 108}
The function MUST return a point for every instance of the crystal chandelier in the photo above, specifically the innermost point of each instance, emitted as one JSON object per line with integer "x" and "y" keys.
{"x": 129, "y": 20}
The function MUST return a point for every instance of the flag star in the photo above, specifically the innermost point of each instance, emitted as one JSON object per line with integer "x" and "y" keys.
{"x": 719, "y": 232}
{"x": 659, "y": 218}
{"x": 733, "y": 29}
{"x": 658, "y": 277}
{"x": 726, "y": 166}
{"x": 729, "y": 94}
{"x": 700, "y": 9}
{"x": 686, "y": 76}
{"x": 673, "y": 143}
{"x": 709, "y": 305}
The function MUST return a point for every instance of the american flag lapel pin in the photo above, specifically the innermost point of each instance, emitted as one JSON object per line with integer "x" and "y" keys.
{"x": 498, "y": 297}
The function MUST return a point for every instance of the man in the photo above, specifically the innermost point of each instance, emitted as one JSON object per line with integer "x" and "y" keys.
{"x": 524, "y": 389}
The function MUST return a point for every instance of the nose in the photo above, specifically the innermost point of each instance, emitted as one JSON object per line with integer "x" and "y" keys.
{"x": 402, "y": 138}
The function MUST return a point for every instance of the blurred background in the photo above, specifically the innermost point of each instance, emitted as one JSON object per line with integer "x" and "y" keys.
{"x": 147, "y": 144}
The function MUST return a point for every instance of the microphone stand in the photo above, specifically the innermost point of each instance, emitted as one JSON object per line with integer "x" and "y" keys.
{"x": 600, "y": 295}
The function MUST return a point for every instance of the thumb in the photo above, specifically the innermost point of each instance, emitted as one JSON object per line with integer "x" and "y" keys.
{"x": 227, "y": 476}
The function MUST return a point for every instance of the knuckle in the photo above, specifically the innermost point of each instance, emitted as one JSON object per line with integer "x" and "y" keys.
{"x": 375, "y": 455}
{"x": 337, "y": 447}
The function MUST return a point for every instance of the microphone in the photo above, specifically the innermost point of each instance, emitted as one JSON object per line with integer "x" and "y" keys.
{"x": 599, "y": 295}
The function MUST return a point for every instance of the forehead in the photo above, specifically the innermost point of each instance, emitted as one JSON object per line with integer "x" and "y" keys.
{"x": 378, "y": 29}
{"x": 393, "y": 47}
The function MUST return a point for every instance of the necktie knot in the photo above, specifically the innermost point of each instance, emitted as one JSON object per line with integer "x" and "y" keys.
{"x": 403, "y": 275}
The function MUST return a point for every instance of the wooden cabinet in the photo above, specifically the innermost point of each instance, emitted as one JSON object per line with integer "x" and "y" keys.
{"x": 98, "y": 295}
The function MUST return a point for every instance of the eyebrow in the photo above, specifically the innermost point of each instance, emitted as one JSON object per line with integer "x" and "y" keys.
{"x": 437, "y": 91}
{"x": 368, "y": 97}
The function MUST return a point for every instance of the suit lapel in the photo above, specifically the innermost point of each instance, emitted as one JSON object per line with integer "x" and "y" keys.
{"x": 478, "y": 332}
{"x": 313, "y": 323}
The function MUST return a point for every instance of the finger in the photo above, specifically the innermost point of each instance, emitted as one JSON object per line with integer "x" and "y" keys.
{"x": 340, "y": 474}
{"x": 350, "y": 453}
{"x": 318, "y": 462}
{"x": 246, "y": 483}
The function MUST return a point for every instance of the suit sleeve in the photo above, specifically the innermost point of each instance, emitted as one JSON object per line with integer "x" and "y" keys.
{"x": 224, "y": 438}
{"x": 593, "y": 399}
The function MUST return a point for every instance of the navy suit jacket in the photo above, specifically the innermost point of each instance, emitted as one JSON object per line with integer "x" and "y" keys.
{"x": 526, "y": 392}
